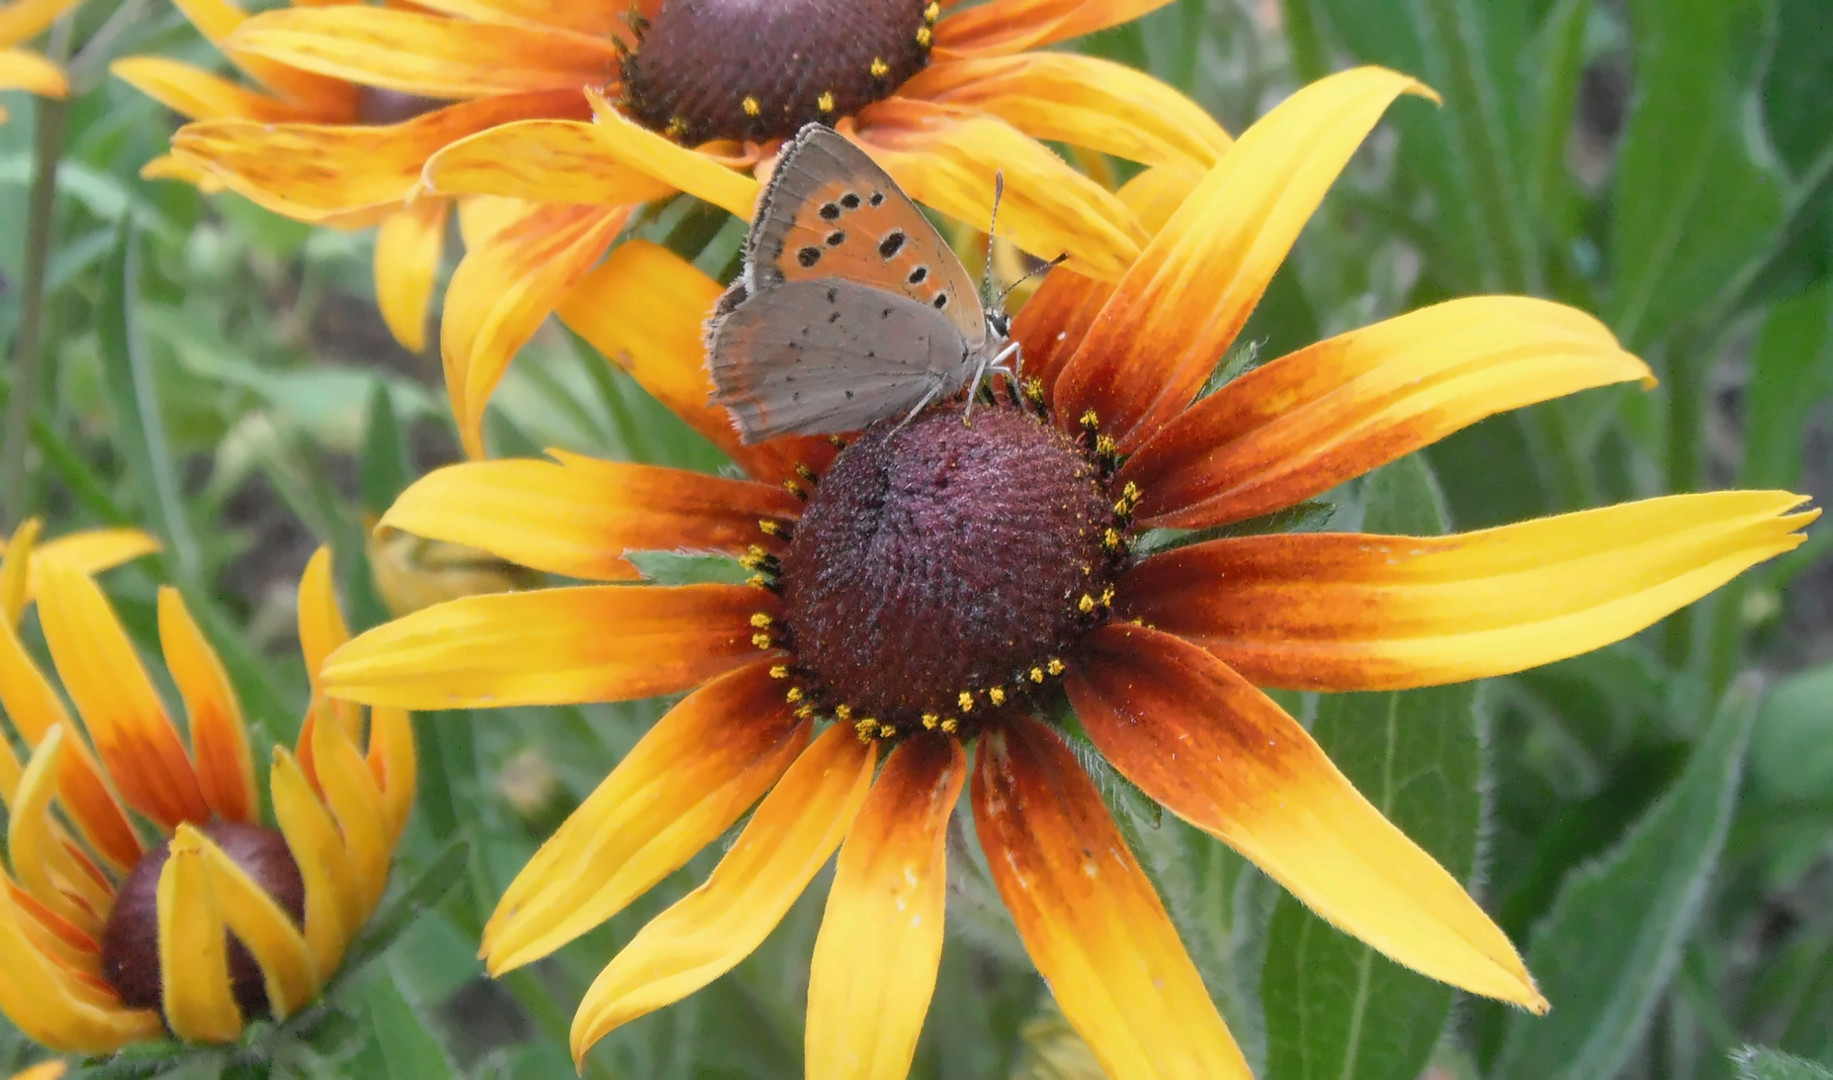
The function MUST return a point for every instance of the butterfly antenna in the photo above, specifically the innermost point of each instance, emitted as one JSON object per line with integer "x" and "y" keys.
{"x": 986, "y": 277}
{"x": 1033, "y": 272}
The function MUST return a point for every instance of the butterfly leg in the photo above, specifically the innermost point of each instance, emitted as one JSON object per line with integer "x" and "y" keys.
{"x": 985, "y": 370}
{"x": 930, "y": 395}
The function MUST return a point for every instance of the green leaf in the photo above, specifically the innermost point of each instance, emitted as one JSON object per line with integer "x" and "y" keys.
{"x": 407, "y": 1048}
{"x": 1791, "y": 748}
{"x": 1613, "y": 938}
{"x": 387, "y": 464}
{"x": 1762, "y": 1063}
{"x": 1334, "y": 1007}
{"x": 445, "y": 870}
{"x": 1791, "y": 373}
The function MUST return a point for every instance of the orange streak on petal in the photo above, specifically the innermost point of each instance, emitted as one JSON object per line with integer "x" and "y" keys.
{"x": 600, "y": 22}
{"x": 503, "y": 291}
{"x": 1002, "y": 27}
{"x": 545, "y": 161}
{"x": 579, "y": 516}
{"x": 552, "y": 646}
{"x": 880, "y": 945}
{"x": 45, "y": 1001}
{"x": 1222, "y": 755}
{"x": 219, "y": 739}
{"x": 199, "y": 95}
{"x": 409, "y": 245}
{"x": 683, "y": 785}
{"x": 1181, "y": 304}
{"x": 36, "y": 846}
{"x": 1344, "y": 611}
{"x": 1306, "y": 422}
{"x": 792, "y": 833}
{"x": 1088, "y": 916}
{"x": 326, "y": 98}
{"x": 645, "y": 309}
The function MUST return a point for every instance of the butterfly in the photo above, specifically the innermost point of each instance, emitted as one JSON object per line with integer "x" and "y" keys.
{"x": 851, "y": 309}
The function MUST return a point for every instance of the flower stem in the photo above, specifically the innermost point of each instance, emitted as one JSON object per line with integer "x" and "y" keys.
{"x": 52, "y": 118}
{"x": 1686, "y": 384}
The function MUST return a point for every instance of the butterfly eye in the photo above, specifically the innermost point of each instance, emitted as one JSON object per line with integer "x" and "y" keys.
{"x": 891, "y": 244}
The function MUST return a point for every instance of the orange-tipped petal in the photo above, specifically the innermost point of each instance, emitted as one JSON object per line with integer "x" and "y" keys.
{"x": 38, "y": 851}
{"x": 678, "y": 790}
{"x": 355, "y": 801}
{"x": 28, "y": 71}
{"x": 322, "y": 172}
{"x": 321, "y": 97}
{"x": 789, "y": 837}
{"x": 548, "y": 161}
{"x": 121, "y": 710}
{"x": 1002, "y": 27}
{"x": 219, "y": 739}
{"x": 579, "y": 516}
{"x": 945, "y": 157}
{"x": 601, "y": 22}
{"x": 1088, "y": 916}
{"x": 1183, "y": 301}
{"x": 1306, "y": 422}
{"x": 21, "y": 20}
{"x": 196, "y": 996}
{"x": 700, "y": 175}
{"x": 258, "y": 922}
{"x": 333, "y": 911}
{"x": 409, "y": 245}
{"x": 1344, "y": 611}
{"x": 880, "y": 944}
{"x": 422, "y": 53}
{"x": 199, "y": 95}
{"x": 645, "y": 309}
{"x": 503, "y": 291}
{"x": 1082, "y": 101}
{"x": 393, "y": 763}
{"x": 552, "y": 646}
{"x": 41, "y": 997}
{"x": 1222, "y": 755}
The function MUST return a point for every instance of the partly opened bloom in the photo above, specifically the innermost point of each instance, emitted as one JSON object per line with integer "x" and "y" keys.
{"x": 941, "y": 100}
{"x": 411, "y": 237}
{"x": 941, "y": 587}
{"x": 133, "y": 854}
{"x": 22, "y": 69}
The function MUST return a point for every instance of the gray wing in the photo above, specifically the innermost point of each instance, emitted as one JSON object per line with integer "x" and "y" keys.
{"x": 826, "y": 356}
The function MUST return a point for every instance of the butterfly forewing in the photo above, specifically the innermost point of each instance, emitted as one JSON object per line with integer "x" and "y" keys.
{"x": 831, "y": 212}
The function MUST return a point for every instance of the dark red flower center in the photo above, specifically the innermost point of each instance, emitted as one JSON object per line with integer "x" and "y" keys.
{"x": 130, "y": 938}
{"x": 760, "y": 69}
{"x": 944, "y": 569}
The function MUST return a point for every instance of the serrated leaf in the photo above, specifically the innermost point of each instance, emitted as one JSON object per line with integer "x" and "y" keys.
{"x": 1335, "y": 1007}
{"x": 1611, "y": 941}
{"x": 1762, "y": 1063}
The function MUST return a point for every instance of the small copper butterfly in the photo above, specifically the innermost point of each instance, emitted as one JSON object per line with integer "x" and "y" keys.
{"x": 851, "y": 308}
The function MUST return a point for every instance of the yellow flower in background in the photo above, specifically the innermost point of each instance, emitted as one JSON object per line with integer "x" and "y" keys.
{"x": 410, "y": 239}
{"x": 22, "y": 69}
{"x": 411, "y": 572}
{"x": 132, "y": 855}
{"x": 938, "y": 588}
{"x": 44, "y": 1070}
{"x": 942, "y": 100}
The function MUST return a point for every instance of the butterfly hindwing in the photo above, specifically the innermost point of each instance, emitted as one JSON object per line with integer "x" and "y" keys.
{"x": 831, "y": 212}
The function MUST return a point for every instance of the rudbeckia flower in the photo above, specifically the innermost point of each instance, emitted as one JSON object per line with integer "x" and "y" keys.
{"x": 941, "y": 100}
{"x": 132, "y": 857}
{"x": 22, "y": 69}
{"x": 91, "y": 552}
{"x": 947, "y": 588}
{"x": 410, "y": 239}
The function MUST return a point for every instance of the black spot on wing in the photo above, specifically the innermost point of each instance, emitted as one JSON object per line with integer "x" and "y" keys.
{"x": 941, "y": 301}
{"x": 808, "y": 256}
{"x": 878, "y": 198}
{"x": 836, "y": 238}
{"x": 851, "y": 201}
{"x": 918, "y": 276}
{"x": 830, "y": 211}
{"x": 891, "y": 244}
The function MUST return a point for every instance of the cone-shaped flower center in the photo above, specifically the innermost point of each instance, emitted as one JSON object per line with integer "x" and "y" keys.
{"x": 760, "y": 69}
{"x": 943, "y": 568}
{"x": 130, "y": 939}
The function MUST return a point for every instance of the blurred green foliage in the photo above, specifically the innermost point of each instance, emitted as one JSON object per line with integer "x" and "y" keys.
{"x": 219, "y": 375}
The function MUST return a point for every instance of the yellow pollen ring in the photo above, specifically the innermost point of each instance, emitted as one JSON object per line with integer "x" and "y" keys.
{"x": 879, "y": 68}
{"x": 951, "y": 725}
{"x": 826, "y": 101}
{"x": 997, "y": 695}
{"x": 924, "y": 36}
{"x": 793, "y": 695}
{"x": 760, "y": 620}
{"x": 1090, "y": 419}
{"x": 779, "y": 671}
{"x": 843, "y": 713}
{"x": 762, "y": 640}
{"x": 965, "y": 701}
{"x": 930, "y": 720}
{"x": 1036, "y": 674}
{"x": 751, "y": 106}
{"x": 1055, "y": 666}
{"x": 1111, "y": 539}
{"x": 768, "y": 527}
{"x": 1086, "y": 604}
{"x": 932, "y": 12}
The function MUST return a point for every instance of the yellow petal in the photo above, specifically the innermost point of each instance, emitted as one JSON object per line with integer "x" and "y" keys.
{"x": 602, "y": 22}
{"x": 37, "y": 996}
{"x": 1343, "y": 611}
{"x": 1082, "y": 101}
{"x": 122, "y": 712}
{"x": 258, "y": 922}
{"x": 23, "y": 19}
{"x": 333, "y": 908}
{"x": 1182, "y": 303}
{"x": 94, "y": 551}
{"x": 1306, "y": 422}
{"x": 408, "y": 248}
{"x": 1088, "y": 916}
{"x": 1000, "y": 27}
{"x": 39, "y": 850}
{"x": 44, "y": 1070}
{"x": 330, "y": 99}
{"x": 219, "y": 739}
{"x": 16, "y": 557}
{"x": 552, "y": 161}
{"x": 678, "y": 790}
{"x": 553, "y": 646}
{"x": 199, "y": 95}
{"x": 579, "y": 516}
{"x": 321, "y": 624}
{"x": 355, "y": 801}
{"x": 503, "y": 291}
{"x": 687, "y": 170}
{"x": 1223, "y": 756}
{"x": 28, "y": 71}
{"x": 880, "y": 944}
{"x": 645, "y": 309}
{"x": 945, "y": 157}
{"x": 792, "y": 833}
{"x": 423, "y": 53}
{"x": 193, "y": 953}
{"x": 393, "y": 763}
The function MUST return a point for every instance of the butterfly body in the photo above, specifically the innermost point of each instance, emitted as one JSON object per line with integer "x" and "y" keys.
{"x": 851, "y": 308}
